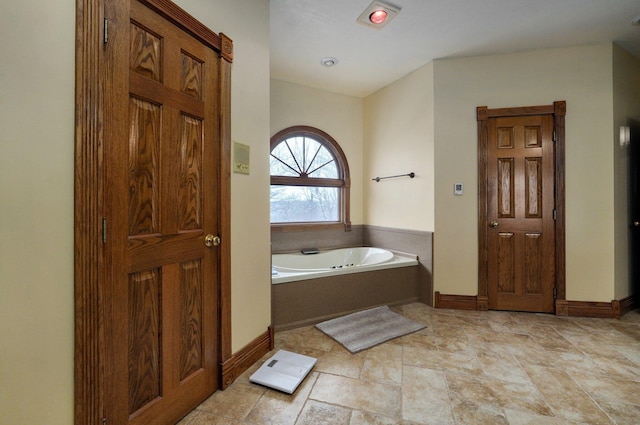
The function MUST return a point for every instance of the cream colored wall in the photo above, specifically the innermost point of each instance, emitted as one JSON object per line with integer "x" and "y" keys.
{"x": 399, "y": 139}
{"x": 36, "y": 196}
{"x": 338, "y": 115}
{"x": 626, "y": 104}
{"x": 583, "y": 77}
{"x": 36, "y": 212}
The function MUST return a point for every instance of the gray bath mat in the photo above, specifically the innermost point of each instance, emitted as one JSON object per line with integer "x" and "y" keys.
{"x": 364, "y": 329}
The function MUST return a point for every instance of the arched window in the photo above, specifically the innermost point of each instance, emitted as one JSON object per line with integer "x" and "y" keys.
{"x": 309, "y": 180}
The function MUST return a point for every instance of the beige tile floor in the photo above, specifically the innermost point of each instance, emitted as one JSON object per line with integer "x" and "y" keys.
{"x": 464, "y": 368}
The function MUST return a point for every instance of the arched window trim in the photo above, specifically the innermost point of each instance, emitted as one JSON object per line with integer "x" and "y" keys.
{"x": 343, "y": 182}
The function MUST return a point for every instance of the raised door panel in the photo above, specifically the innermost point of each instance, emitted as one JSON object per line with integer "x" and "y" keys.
{"x": 506, "y": 195}
{"x": 145, "y": 119}
{"x": 506, "y": 262}
{"x": 533, "y": 263}
{"x": 145, "y": 339}
{"x": 191, "y": 78}
{"x": 533, "y": 187}
{"x": 145, "y": 53}
{"x": 190, "y": 157}
{"x": 191, "y": 319}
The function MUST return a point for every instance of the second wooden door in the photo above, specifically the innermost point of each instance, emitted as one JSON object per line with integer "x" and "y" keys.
{"x": 520, "y": 213}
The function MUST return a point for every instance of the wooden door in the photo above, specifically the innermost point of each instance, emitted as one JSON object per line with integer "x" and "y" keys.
{"x": 520, "y": 213}
{"x": 162, "y": 192}
{"x": 634, "y": 209}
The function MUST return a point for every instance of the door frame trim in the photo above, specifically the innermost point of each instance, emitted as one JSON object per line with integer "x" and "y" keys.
{"x": 558, "y": 109}
{"x": 90, "y": 80}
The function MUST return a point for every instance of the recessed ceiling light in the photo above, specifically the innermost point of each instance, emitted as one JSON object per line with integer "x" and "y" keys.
{"x": 378, "y": 14}
{"x": 329, "y": 61}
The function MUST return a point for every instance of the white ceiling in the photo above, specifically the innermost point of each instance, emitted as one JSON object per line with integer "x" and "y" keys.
{"x": 305, "y": 31}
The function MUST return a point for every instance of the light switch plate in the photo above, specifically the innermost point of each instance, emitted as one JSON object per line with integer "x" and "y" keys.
{"x": 458, "y": 188}
{"x": 241, "y": 158}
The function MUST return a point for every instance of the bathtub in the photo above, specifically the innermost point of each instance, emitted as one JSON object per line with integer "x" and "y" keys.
{"x": 296, "y": 267}
{"x": 307, "y": 289}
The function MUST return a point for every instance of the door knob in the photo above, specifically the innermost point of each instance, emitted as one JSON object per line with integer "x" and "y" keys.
{"x": 494, "y": 224}
{"x": 636, "y": 223}
{"x": 211, "y": 240}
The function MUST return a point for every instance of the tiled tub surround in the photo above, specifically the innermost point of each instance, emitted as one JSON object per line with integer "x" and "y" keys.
{"x": 286, "y": 241}
{"x": 465, "y": 367}
{"x": 419, "y": 243}
{"x": 305, "y": 302}
{"x": 416, "y": 242}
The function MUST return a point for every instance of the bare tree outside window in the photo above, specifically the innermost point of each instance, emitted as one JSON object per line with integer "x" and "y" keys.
{"x": 309, "y": 178}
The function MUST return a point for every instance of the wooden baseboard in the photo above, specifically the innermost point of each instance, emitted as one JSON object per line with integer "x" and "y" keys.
{"x": 614, "y": 309}
{"x": 592, "y": 309}
{"x": 482, "y": 303}
{"x": 246, "y": 357}
{"x": 457, "y": 302}
{"x": 628, "y": 304}
{"x": 562, "y": 308}
{"x": 610, "y": 310}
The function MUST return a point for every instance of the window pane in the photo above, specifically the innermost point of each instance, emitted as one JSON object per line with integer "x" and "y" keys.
{"x": 296, "y": 144}
{"x": 323, "y": 166}
{"x": 309, "y": 156}
{"x": 296, "y": 204}
{"x": 282, "y": 162}
{"x": 277, "y": 168}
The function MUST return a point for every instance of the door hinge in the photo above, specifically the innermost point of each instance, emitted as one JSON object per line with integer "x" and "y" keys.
{"x": 104, "y": 421}
{"x": 553, "y": 137}
{"x": 104, "y": 230}
{"x": 555, "y": 214}
{"x": 105, "y": 31}
{"x": 555, "y": 293}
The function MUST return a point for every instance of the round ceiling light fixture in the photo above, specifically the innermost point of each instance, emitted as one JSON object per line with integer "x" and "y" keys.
{"x": 378, "y": 16}
{"x": 329, "y": 61}
{"x": 636, "y": 21}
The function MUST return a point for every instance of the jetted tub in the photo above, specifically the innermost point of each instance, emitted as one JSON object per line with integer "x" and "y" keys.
{"x": 294, "y": 267}
{"x": 308, "y": 289}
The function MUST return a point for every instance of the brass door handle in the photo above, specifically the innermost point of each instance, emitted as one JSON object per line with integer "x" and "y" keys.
{"x": 211, "y": 240}
{"x": 494, "y": 224}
